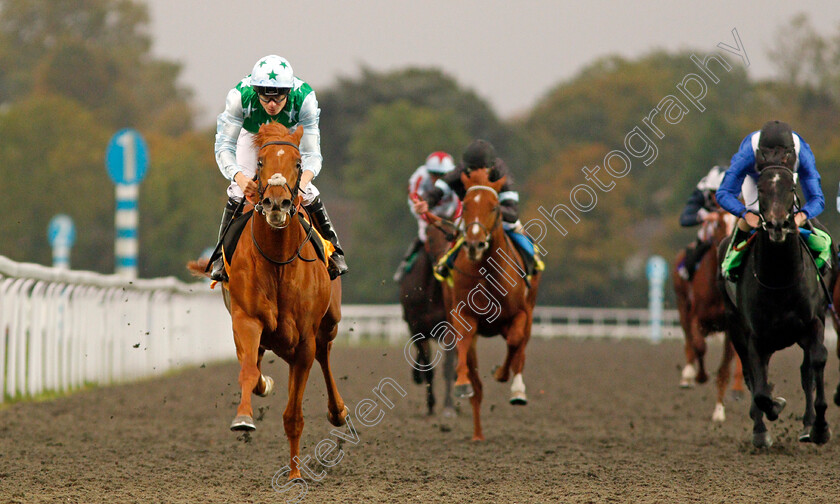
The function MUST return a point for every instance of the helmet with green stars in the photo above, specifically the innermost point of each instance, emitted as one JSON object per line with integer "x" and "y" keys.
{"x": 272, "y": 75}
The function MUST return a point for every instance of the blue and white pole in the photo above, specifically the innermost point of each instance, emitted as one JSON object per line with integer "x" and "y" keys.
{"x": 657, "y": 273}
{"x": 62, "y": 234}
{"x": 126, "y": 221}
{"x": 127, "y": 159}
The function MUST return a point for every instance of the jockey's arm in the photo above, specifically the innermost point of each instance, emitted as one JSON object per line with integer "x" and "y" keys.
{"x": 693, "y": 213}
{"x": 310, "y": 143}
{"x": 809, "y": 179}
{"x": 228, "y": 126}
{"x": 509, "y": 204}
{"x": 730, "y": 188}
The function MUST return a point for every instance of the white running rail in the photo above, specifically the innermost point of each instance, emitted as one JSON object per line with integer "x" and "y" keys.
{"x": 60, "y": 330}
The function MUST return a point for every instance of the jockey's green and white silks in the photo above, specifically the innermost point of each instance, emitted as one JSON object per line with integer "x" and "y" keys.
{"x": 243, "y": 111}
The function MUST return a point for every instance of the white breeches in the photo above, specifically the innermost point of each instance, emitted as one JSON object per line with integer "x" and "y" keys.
{"x": 246, "y": 158}
{"x": 750, "y": 193}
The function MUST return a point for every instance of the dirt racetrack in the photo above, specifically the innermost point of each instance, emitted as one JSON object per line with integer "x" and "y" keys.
{"x": 606, "y": 423}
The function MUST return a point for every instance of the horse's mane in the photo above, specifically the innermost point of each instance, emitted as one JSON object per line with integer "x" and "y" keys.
{"x": 270, "y": 131}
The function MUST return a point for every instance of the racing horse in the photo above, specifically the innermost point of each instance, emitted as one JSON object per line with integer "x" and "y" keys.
{"x": 701, "y": 311}
{"x": 489, "y": 294}
{"x": 778, "y": 302}
{"x": 421, "y": 298}
{"x": 279, "y": 295}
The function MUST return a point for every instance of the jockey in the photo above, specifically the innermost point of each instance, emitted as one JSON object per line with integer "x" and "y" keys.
{"x": 776, "y": 144}
{"x": 700, "y": 208}
{"x": 420, "y": 184}
{"x": 271, "y": 93}
{"x": 481, "y": 154}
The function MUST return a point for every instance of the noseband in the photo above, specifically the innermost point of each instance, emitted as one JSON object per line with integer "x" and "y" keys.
{"x": 261, "y": 190}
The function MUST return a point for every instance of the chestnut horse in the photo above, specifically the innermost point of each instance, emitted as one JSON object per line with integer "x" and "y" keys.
{"x": 702, "y": 312}
{"x": 421, "y": 298}
{"x": 489, "y": 294}
{"x": 279, "y": 298}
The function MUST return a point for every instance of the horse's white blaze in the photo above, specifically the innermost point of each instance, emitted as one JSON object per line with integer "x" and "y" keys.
{"x": 476, "y": 228}
{"x": 720, "y": 413}
{"x": 688, "y": 376}
{"x": 280, "y": 152}
{"x": 277, "y": 179}
{"x": 518, "y": 384}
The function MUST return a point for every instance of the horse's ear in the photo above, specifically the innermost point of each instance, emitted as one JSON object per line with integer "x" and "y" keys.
{"x": 298, "y": 134}
{"x": 465, "y": 178}
{"x": 497, "y": 185}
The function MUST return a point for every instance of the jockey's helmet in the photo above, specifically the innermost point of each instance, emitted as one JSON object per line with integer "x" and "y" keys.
{"x": 439, "y": 163}
{"x": 775, "y": 145}
{"x": 479, "y": 154}
{"x": 712, "y": 180}
{"x": 272, "y": 76}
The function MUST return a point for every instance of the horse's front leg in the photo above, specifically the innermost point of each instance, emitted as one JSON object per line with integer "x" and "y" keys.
{"x": 698, "y": 342}
{"x": 475, "y": 399}
{"x": 466, "y": 328}
{"x": 719, "y": 414}
{"x": 762, "y": 402}
{"x": 265, "y": 384}
{"x": 247, "y": 332}
{"x": 293, "y": 415}
{"x": 815, "y": 356}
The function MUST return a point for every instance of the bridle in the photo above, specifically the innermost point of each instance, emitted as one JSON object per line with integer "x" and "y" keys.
{"x": 294, "y": 194}
{"x": 496, "y": 209}
{"x": 794, "y": 204}
{"x": 261, "y": 190}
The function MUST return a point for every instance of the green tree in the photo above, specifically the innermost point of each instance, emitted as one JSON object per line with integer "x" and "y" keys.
{"x": 54, "y": 150}
{"x": 386, "y": 149}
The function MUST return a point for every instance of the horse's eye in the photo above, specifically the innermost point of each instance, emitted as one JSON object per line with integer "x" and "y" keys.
{"x": 259, "y": 162}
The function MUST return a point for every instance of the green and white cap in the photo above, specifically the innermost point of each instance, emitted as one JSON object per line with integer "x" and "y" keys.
{"x": 272, "y": 75}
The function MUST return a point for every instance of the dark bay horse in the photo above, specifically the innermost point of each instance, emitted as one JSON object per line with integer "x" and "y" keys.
{"x": 702, "y": 312}
{"x": 489, "y": 294}
{"x": 421, "y": 298}
{"x": 779, "y": 302}
{"x": 279, "y": 298}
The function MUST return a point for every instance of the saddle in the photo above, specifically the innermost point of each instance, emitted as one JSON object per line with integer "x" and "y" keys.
{"x": 323, "y": 248}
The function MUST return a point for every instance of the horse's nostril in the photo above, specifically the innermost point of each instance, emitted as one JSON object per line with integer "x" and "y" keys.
{"x": 286, "y": 204}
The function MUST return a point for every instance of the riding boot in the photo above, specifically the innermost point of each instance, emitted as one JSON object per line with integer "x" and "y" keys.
{"x": 406, "y": 263}
{"x": 322, "y": 222}
{"x": 730, "y": 266}
{"x": 219, "y": 274}
{"x": 693, "y": 255}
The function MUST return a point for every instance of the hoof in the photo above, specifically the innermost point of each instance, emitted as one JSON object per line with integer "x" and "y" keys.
{"x": 702, "y": 378}
{"x": 720, "y": 413}
{"x": 518, "y": 399}
{"x": 416, "y": 376}
{"x": 819, "y": 435}
{"x": 738, "y": 395}
{"x": 688, "y": 376}
{"x": 762, "y": 440}
{"x": 479, "y": 437}
{"x": 449, "y": 412}
{"x": 243, "y": 423}
{"x": 463, "y": 391}
{"x": 771, "y": 407}
{"x": 269, "y": 386}
{"x": 338, "y": 420}
{"x": 501, "y": 374}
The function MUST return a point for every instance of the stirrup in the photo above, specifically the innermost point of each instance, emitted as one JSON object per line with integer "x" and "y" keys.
{"x": 218, "y": 273}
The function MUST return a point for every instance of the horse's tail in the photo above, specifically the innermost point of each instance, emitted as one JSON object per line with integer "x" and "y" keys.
{"x": 198, "y": 268}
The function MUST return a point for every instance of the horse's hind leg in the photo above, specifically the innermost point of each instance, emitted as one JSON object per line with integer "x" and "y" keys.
{"x": 336, "y": 410}
{"x": 246, "y": 336}
{"x": 698, "y": 341}
{"x": 293, "y": 415}
{"x": 448, "y": 378}
{"x": 813, "y": 365}
{"x": 265, "y": 384}
{"x": 514, "y": 335}
{"x": 518, "y": 339}
{"x": 425, "y": 376}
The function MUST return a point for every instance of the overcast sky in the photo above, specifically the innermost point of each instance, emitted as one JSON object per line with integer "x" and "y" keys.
{"x": 510, "y": 52}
